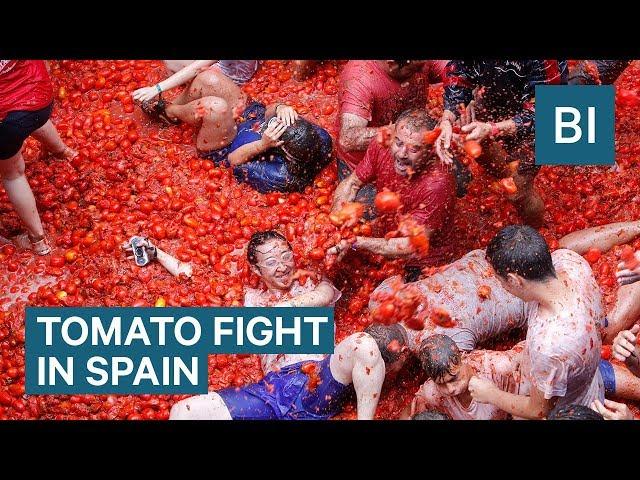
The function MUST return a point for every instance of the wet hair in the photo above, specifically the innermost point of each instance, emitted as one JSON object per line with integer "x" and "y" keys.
{"x": 431, "y": 415}
{"x": 520, "y": 249}
{"x": 384, "y": 335}
{"x": 574, "y": 412}
{"x": 417, "y": 119}
{"x": 260, "y": 238}
{"x": 303, "y": 142}
{"x": 438, "y": 354}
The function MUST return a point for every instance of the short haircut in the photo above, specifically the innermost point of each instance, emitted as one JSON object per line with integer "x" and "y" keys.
{"x": 438, "y": 354}
{"x": 574, "y": 412}
{"x": 417, "y": 119}
{"x": 384, "y": 335}
{"x": 431, "y": 415}
{"x": 260, "y": 238}
{"x": 520, "y": 249}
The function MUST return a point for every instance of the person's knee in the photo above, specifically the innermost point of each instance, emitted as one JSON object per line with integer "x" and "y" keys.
{"x": 201, "y": 407}
{"x": 12, "y": 168}
{"x": 214, "y": 107}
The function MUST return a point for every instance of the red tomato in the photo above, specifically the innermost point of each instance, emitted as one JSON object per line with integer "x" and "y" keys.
{"x": 472, "y": 148}
{"x": 593, "y": 255}
{"x": 387, "y": 201}
{"x": 57, "y": 261}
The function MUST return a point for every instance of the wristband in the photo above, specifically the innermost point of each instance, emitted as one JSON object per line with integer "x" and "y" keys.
{"x": 158, "y": 88}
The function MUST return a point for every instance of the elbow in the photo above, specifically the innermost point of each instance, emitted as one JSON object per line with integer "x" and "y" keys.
{"x": 345, "y": 142}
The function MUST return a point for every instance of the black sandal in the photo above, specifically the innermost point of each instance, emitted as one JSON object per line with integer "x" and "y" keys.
{"x": 157, "y": 111}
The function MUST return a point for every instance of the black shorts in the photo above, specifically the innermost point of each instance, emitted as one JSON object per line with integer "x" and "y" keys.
{"x": 17, "y": 126}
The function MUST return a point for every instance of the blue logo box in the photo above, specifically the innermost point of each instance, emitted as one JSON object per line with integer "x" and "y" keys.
{"x": 125, "y": 350}
{"x": 575, "y": 124}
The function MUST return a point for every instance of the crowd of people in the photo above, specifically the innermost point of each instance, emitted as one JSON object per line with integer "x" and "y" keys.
{"x": 401, "y": 166}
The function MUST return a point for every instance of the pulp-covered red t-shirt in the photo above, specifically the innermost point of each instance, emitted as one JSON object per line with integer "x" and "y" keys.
{"x": 24, "y": 85}
{"x": 368, "y": 91}
{"x": 429, "y": 197}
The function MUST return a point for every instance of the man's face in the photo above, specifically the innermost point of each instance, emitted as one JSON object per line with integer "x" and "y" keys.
{"x": 404, "y": 71}
{"x": 455, "y": 383}
{"x": 409, "y": 151}
{"x": 275, "y": 264}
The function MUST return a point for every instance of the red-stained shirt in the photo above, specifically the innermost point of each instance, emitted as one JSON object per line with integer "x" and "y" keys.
{"x": 429, "y": 197}
{"x": 24, "y": 85}
{"x": 368, "y": 91}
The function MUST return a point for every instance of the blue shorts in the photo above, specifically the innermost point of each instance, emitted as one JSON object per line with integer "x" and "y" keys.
{"x": 608, "y": 377}
{"x": 271, "y": 172}
{"x": 284, "y": 395}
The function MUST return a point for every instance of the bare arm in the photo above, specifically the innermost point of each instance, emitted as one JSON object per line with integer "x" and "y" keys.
{"x": 368, "y": 376}
{"x": 321, "y": 296}
{"x": 354, "y": 133}
{"x": 532, "y": 407}
{"x": 393, "y": 247}
{"x": 246, "y": 152}
{"x": 346, "y": 191}
{"x": 603, "y": 237}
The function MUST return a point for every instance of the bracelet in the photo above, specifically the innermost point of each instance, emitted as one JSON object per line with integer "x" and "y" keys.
{"x": 158, "y": 88}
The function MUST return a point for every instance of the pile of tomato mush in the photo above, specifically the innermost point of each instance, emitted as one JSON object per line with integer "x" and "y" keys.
{"x": 134, "y": 178}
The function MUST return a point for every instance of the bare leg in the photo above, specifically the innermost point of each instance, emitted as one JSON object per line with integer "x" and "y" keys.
{"x": 201, "y": 407}
{"x": 174, "y": 65}
{"x": 604, "y": 237}
{"x": 213, "y": 83}
{"x": 217, "y": 126}
{"x": 625, "y": 312}
{"x": 627, "y": 384}
{"x": 50, "y": 138}
{"x": 20, "y": 194}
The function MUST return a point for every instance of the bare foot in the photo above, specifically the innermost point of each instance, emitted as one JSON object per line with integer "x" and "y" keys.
{"x": 67, "y": 153}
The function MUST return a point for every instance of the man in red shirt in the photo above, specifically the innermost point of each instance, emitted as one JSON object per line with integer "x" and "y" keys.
{"x": 426, "y": 189}
{"x": 26, "y": 100}
{"x": 371, "y": 95}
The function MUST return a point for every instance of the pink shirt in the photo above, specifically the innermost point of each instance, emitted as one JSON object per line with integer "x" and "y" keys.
{"x": 367, "y": 91}
{"x": 562, "y": 354}
{"x": 501, "y": 368}
{"x": 456, "y": 290}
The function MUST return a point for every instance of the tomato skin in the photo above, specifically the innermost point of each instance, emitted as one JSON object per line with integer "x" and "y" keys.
{"x": 472, "y": 148}
{"x": 387, "y": 202}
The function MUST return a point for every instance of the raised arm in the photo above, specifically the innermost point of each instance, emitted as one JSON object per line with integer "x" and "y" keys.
{"x": 354, "y": 132}
{"x": 181, "y": 76}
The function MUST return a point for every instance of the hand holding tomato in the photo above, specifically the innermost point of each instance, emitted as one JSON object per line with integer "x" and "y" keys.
{"x": 340, "y": 249}
{"x": 145, "y": 94}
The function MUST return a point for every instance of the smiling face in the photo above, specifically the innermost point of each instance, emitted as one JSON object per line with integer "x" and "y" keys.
{"x": 275, "y": 264}
{"x": 410, "y": 153}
